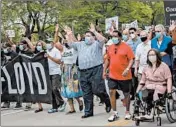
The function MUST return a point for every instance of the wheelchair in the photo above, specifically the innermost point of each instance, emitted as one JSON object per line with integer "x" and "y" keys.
{"x": 144, "y": 106}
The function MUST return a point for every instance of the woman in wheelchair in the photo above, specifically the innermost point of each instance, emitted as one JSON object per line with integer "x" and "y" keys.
{"x": 156, "y": 79}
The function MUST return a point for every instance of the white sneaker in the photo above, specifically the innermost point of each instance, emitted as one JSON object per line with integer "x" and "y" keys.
{"x": 62, "y": 107}
{"x": 148, "y": 117}
{"x": 114, "y": 117}
{"x": 127, "y": 116}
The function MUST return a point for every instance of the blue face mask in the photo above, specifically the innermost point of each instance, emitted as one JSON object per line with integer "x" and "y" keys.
{"x": 125, "y": 37}
{"x": 39, "y": 48}
{"x": 21, "y": 47}
{"x": 115, "y": 40}
{"x": 88, "y": 41}
{"x": 157, "y": 35}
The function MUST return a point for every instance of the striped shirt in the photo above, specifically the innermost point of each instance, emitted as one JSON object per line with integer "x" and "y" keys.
{"x": 88, "y": 55}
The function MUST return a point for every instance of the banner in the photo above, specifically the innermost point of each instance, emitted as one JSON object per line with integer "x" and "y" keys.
{"x": 170, "y": 12}
{"x": 134, "y": 24}
{"x": 26, "y": 79}
{"x": 111, "y": 24}
{"x": 10, "y": 33}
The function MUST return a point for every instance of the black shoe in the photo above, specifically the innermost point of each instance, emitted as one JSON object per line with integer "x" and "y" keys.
{"x": 86, "y": 116}
{"x": 132, "y": 98}
{"x": 70, "y": 112}
{"x": 18, "y": 106}
{"x": 38, "y": 110}
{"x": 108, "y": 108}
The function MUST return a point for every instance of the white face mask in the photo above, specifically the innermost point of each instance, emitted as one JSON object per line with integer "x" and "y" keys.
{"x": 132, "y": 36}
{"x": 48, "y": 46}
{"x": 152, "y": 59}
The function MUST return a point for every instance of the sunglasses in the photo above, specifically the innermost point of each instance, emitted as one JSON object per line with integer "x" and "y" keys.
{"x": 131, "y": 32}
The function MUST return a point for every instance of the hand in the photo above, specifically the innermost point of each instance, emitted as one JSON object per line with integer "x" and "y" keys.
{"x": 67, "y": 30}
{"x": 125, "y": 72}
{"x": 57, "y": 28}
{"x": 104, "y": 75}
{"x": 46, "y": 55}
{"x": 92, "y": 28}
{"x": 79, "y": 37}
{"x": 136, "y": 73}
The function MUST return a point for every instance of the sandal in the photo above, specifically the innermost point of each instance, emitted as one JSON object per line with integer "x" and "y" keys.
{"x": 70, "y": 112}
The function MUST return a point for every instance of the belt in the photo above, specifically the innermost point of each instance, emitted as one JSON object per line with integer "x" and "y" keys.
{"x": 90, "y": 68}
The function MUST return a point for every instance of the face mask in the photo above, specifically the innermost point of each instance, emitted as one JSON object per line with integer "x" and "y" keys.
{"x": 132, "y": 36}
{"x": 115, "y": 40}
{"x": 88, "y": 41}
{"x": 21, "y": 47}
{"x": 152, "y": 59}
{"x": 158, "y": 35}
{"x": 6, "y": 51}
{"x": 48, "y": 46}
{"x": 143, "y": 39}
{"x": 125, "y": 37}
{"x": 39, "y": 48}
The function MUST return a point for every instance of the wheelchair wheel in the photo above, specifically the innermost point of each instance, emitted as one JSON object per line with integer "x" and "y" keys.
{"x": 158, "y": 121}
{"x": 171, "y": 110}
{"x": 137, "y": 122}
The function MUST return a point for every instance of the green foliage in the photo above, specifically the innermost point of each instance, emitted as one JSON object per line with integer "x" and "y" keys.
{"x": 75, "y": 13}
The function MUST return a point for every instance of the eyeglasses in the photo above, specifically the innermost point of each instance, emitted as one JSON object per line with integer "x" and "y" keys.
{"x": 152, "y": 55}
{"x": 115, "y": 51}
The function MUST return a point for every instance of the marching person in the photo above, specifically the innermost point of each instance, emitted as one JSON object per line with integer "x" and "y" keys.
{"x": 133, "y": 42}
{"x": 119, "y": 61}
{"x": 90, "y": 57}
{"x": 163, "y": 44}
{"x": 141, "y": 54}
{"x": 54, "y": 60}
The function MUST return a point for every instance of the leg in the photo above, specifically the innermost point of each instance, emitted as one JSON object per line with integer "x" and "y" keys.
{"x": 98, "y": 86}
{"x": 40, "y": 108}
{"x": 80, "y": 103}
{"x": 113, "y": 99}
{"x": 87, "y": 92}
{"x": 70, "y": 102}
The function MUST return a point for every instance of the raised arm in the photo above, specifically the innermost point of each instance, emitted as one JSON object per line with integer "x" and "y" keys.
{"x": 57, "y": 44}
{"x": 29, "y": 44}
{"x": 99, "y": 37}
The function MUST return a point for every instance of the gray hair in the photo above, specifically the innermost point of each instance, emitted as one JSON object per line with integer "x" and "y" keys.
{"x": 160, "y": 26}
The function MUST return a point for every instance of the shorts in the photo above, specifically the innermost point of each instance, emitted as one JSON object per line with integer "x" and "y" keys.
{"x": 123, "y": 85}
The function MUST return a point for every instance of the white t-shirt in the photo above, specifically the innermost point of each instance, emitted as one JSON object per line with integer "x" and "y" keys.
{"x": 54, "y": 68}
{"x": 69, "y": 56}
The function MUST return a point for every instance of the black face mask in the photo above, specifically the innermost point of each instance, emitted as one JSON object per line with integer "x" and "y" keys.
{"x": 143, "y": 39}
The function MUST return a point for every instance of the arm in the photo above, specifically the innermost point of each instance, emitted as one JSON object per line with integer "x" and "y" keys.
{"x": 142, "y": 82}
{"x": 169, "y": 85}
{"x": 106, "y": 65}
{"x": 29, "y": 44}
{"x": 57, "y": 44}
{"x": 56, "y": 60}
{"x": 99, "y": 37}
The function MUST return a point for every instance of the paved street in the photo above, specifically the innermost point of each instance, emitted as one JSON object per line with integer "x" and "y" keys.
{"x": 29, "y": 118}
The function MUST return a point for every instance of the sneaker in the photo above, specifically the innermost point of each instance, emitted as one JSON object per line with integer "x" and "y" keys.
{"x": 6, "y": 105}
{"x": 52, "y": 110}
{"x": 62, "y": 107}
{"x": 114, "y": 117}
{"x": 27, "y": 108}
{"x": 127, "y": 116}
{"x": 17, "y": 107}
{"x": 148, "y": 117}
{"x": 101, "y": 104}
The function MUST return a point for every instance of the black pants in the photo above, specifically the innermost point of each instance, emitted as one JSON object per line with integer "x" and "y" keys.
{"x": 56, "y": 96}
{"x": 134, "y": 83}
{"x": 92, "y": 83}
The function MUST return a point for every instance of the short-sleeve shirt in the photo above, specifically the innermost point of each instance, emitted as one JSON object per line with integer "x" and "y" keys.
{"x": 119, "y": 57}
{"x": 88, "y": 55}
{"x": 69, "y": 56}
{"x": 141, "y": 55}
{"x": 54, "y": 68}
{"x": 155, "y": 79}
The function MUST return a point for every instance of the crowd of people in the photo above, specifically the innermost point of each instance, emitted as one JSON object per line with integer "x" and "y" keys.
{"x": 122, "y": 64}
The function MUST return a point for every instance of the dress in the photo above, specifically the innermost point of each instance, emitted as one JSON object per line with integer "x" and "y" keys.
{"x": 70, "y": 83}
